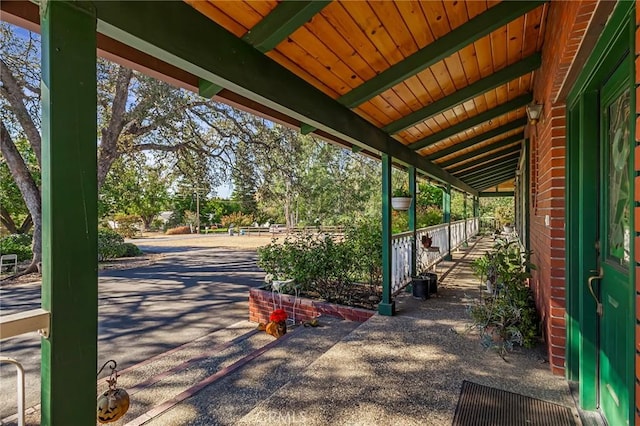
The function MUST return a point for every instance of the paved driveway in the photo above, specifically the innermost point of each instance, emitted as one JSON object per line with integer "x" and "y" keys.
{"x": 143, "y": 311}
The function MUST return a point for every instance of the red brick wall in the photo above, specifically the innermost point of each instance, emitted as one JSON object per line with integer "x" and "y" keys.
{"x": 637, "y": 211}
{"x": 547, "y": 231}
{"x": 566, "y": 25}
{"x": 261, "y": 305}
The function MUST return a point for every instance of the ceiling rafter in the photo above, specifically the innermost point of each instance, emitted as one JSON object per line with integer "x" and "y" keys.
{"x": 512, "y": 125}
{"x": 207, "y": 89}
{"x": 283, "y": 21}
{"x": 485, "y": 159}
{"x": 477, "y": 152}
{"x": 499, "y": 182}
{"x": 488, "y": 167}
{"x": 505, "y": 165}
{"x": 495, "y": 176}
{"x": 516, "y": 103}
{"x": 496, "y": 194}
{"x": 445, "y": 46}
{"x": 496, "y": 79}
{"x": 232, "y": 63}
{"x": 493, "y": 180}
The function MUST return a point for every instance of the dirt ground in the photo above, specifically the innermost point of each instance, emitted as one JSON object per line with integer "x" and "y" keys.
{"x": 242, "y": 242}
{"x": 247, "y": 242}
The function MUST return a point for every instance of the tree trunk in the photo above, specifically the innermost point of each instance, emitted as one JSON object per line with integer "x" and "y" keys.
{"x": 29, "y": 190}
{"x": 108, "y": 151}
{"x": 147, "y": 222}
{"x": 14, "y": 94}
{"x": 8, "y": 221}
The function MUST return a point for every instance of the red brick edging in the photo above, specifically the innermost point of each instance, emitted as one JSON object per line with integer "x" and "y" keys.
{"x": 261, "y": 306}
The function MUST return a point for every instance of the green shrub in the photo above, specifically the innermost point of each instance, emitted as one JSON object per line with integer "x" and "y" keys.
{"x": 19, "y": 244}
{"x": 129, "y": 225}
{"x": 365, "y": 241}
{"x": 327, "y": 266}
{"x": 110, "y": 244}
{"x": 131, "y": 250}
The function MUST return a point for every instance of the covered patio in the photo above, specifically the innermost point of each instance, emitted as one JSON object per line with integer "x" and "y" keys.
{"x": 532, "y": 99}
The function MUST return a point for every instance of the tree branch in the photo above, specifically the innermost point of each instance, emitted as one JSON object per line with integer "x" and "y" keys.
{"x": 12, "y": 92}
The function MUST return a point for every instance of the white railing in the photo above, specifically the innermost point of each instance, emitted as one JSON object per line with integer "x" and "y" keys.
{"x": 401, "y": 260}
{"x": 457, "y": 233}
{"x": 403, "y": 244}
{"x": 16, "y": 325}
{"x": 19, "y": 386}
{"x": 473, "y": 226}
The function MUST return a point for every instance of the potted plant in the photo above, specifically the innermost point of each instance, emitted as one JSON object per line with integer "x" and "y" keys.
{"x": 401, "y": 199}
{"x": 507, "y": 315}
{"x": 425, "y": 282}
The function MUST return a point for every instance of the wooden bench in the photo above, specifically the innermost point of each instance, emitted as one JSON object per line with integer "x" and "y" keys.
{"x": 8, "y": 260}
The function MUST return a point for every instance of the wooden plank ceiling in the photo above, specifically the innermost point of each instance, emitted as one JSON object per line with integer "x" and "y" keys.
{"x": 448, "y": 79}
{"x": 441, "y": 85}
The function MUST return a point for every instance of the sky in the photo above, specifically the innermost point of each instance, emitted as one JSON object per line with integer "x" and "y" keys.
{"x": 223, "y": 191}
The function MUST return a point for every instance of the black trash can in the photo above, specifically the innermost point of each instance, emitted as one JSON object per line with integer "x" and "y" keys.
{"x": 433, "y": 282}
{"x": 421, "y": 287}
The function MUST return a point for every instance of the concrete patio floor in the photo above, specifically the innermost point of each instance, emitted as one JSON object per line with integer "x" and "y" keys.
{"x": 402, "y": 370}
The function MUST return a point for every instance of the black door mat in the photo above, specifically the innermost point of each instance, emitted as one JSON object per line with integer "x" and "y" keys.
{"x": 480, "y": 405}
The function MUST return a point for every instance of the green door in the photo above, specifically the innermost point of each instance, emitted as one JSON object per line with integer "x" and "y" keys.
{"x": 616, "y": 236}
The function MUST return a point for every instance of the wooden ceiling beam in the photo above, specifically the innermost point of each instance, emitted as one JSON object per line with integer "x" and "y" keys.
{"x": 512, "y": 125}
{"x": 235, "y": 65}
{"x": 485, "y": 159}
{"x": 516, "y": 103}
{"x": 496, "y": 79}
{"x": 488, "y": 168}
{"x": 478, "y": 152}
{"x": 496, "y": 172}
{"x": 445, "y": 46}
{"x": 493, "y": 180}
{"x": 498, "y": 182}
{"x": 496, "y": 194}
{"x": 283, "y": 21}
{"x": 207, "y": 89}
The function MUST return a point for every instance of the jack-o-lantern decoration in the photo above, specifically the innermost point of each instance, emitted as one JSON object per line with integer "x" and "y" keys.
{"x": 114, "y": 402}
{"x": 112, "y": 405}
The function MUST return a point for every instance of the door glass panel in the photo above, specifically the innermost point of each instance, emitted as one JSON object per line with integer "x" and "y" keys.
{"x": 619, "y": 229}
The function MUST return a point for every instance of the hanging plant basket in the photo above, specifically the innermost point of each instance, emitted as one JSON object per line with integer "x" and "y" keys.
{"x": 401, "y": 203}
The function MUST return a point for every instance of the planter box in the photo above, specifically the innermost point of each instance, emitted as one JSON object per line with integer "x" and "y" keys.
{"x": 261, "y": 306}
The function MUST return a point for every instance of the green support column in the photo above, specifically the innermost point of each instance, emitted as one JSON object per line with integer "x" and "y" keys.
{"x": 387, "y": 305}
{"x": 464, "y": 214}
{"x": 446, "y": 215}
{"x": 412, "y": 216}
{"x": 69, "y": 214}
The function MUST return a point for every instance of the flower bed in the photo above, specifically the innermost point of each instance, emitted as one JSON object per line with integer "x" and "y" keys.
{"x": 261, "y": 305}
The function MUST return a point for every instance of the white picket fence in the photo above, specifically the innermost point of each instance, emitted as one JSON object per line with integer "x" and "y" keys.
{"x": 402, "y": 246}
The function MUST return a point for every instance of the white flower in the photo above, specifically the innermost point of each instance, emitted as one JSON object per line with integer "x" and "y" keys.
{"x": 268, "y": 278}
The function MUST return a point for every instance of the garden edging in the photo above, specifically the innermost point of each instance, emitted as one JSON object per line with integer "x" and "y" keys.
{"x": 261, "y": 304}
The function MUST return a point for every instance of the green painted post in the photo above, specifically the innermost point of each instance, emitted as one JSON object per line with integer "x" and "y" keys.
{"x": 69, "y": 214}
{"x": 446, "y": 216}
{"x": 464, "y": 214}
{"x": 572, "y": 234}
{"x": 586, "y": 214}
{"x": 387, "y": 305}
{"x": 412, "y": 216}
